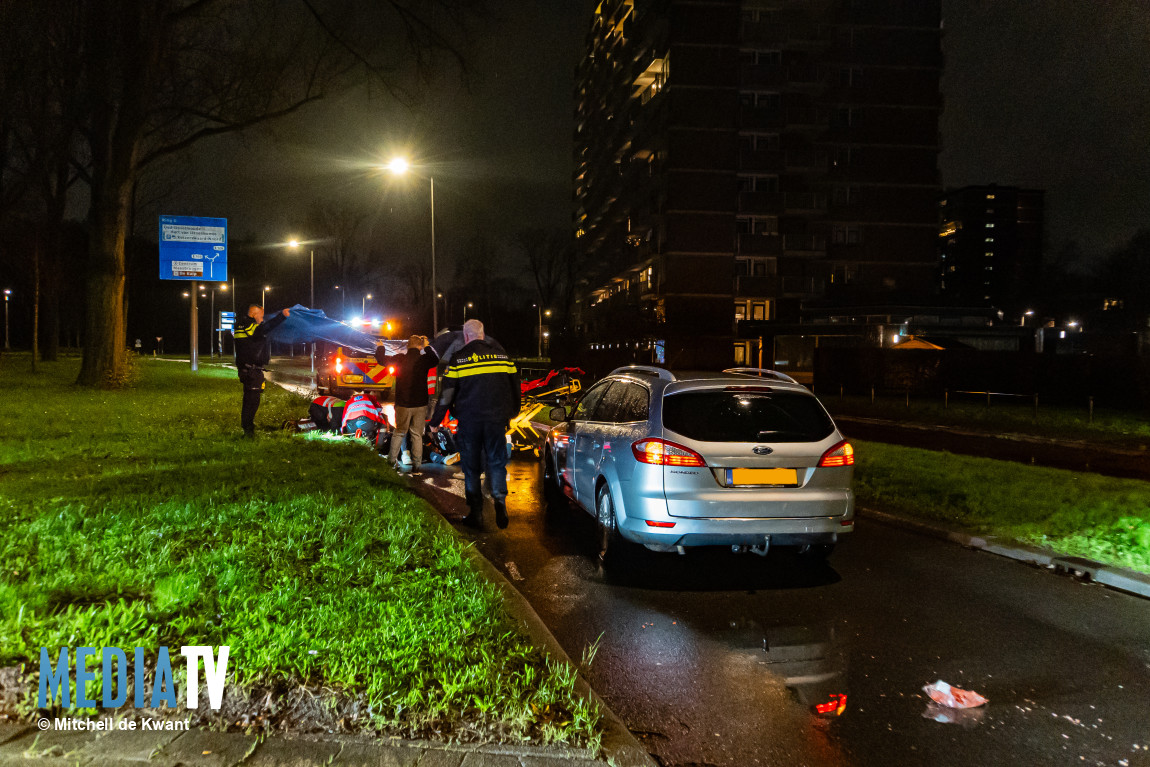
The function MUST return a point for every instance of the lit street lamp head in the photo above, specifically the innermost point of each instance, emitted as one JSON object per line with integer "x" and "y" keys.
{"x": 293, "y": 243}
{"x": 398, "y": 166}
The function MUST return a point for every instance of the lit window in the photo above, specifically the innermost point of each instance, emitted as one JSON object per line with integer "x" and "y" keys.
{"x": 990, "y": 210}
{"x": 740, "y": 311}
{"x": 990, "y": 268}
{"x": 990, "y": 226}
{"x": 988, "y": 253}
{"x": 990, "y": 239}
{"x": 990, "y": 196}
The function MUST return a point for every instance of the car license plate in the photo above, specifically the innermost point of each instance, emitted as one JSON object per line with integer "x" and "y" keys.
{"x": 353, "y": 379}
{"x": 763, "y": 477}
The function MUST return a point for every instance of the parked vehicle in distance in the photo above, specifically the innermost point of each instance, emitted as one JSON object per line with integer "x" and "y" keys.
{"x": 746, "y": 458}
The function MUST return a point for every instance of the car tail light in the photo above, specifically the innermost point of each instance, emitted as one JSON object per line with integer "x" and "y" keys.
{"x": 835, "y": 706}
{"x": 653, "y": 523}
{"x": 391, "y": 370}
{"x": 661, "y": 452}
{"x": 842, "y": 454}
{"x": 338, "y": 365}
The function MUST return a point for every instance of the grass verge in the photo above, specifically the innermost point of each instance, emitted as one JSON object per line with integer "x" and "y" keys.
{"x": 138, "y": 518}
{"x": 1108, "y": 427}
{"x": 1074, "y": 513}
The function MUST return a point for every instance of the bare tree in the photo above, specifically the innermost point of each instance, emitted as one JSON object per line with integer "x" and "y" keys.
{"x": 550, "y": 256}
{"x": 156, "y": 76}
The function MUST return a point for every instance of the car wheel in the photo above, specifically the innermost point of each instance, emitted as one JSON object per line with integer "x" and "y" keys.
{"x": 816, "y": 552}
{"x": 611, "y": 543}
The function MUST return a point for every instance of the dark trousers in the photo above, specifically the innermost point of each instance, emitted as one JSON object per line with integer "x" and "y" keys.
{"x": 479, "y": 442}
{"x": 253, "y": 380}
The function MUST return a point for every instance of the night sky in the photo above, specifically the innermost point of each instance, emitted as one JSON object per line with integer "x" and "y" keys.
{"x": 1048, "y": 94}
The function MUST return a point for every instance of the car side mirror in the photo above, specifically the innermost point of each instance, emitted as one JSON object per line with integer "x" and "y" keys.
{"x": 558, "y": 414}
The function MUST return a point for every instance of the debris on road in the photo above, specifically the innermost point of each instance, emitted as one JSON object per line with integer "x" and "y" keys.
{"x": 952, "y": 697}
{"x": 967, "y": 717}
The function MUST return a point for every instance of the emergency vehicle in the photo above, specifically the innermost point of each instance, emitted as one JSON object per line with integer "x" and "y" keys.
{"x": 341, "y": 371}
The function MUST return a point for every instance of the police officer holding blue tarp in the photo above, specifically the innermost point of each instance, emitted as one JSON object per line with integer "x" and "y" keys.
{"x": 481, "y": 388}
{"x": 253, "y": 351}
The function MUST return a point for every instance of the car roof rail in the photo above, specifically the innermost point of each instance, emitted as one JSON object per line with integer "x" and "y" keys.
{"x": 763, "y": 372}
{"x": 645, "y": 370}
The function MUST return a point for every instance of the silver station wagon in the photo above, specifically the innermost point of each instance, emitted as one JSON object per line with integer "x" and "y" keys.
{"x": 746, "y": 458}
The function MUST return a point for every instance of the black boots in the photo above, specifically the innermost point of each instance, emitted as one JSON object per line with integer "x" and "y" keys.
{"x": 501, "y": 514}
{"x": 475, "y": 518}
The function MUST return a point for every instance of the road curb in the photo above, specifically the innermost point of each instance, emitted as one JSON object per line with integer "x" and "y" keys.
{"x": 1118, "y": 578}
{"x": 619, "y": 745}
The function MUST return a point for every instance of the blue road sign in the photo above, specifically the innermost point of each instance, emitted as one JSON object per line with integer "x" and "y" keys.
{"x": 227, "y": 320}
{"x": 193, "y": 248}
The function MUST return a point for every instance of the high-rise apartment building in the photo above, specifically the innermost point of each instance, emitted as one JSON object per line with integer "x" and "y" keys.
{"x": 737, "y": 159}
{"x": 990, "y": 246}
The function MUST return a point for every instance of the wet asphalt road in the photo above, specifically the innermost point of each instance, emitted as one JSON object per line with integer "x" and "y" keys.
{"x": 714, "y": 659}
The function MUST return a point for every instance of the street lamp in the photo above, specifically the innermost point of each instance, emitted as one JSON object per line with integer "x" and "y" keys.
{"x": 295, "y": 245}
{"x": 399, "y": 166}
{"x": 1027, "y": 313}
{"x": 363, "y": 304}
{"x": 342, "y": 300}
{"x": 469, "y": 305}
{"x": 264, "y": 297}
{"x": 7, "y": 294}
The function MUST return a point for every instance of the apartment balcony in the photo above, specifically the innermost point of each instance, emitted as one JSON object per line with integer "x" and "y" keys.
{"x": 805, "y": 160}
{"x": 761, "y": 203}
{"x": 760, "y": 286}
{"x": 804, "y": 202}
{"x": 760, "y": 245}
{"x": 760, "y": 160}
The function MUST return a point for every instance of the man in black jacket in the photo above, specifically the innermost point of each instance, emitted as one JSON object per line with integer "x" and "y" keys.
{"x": 481, "y": 387}
{"x": 252, "y": 354}
{"x": 410, "y": 396}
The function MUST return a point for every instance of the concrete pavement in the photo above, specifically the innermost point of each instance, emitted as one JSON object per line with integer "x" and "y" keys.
{"x": 26, "y": 745}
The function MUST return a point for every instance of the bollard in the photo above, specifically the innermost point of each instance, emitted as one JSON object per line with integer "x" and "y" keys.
{"x": 908, "y": 398}
{"x": 872, "y": 395}
{"x": 946, "y": 399}
{"x": 840, "y": 391}
{"x": 1091, "y": 409}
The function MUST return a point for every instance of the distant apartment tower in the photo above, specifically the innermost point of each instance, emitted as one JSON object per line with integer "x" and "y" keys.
{"x": 990, "y": 246}
{"x": 734, "y": 160}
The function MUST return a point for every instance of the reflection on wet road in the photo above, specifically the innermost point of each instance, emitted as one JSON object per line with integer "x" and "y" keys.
{"x": 717, "y": 659}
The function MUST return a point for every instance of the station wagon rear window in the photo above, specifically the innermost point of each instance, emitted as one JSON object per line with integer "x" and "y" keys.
{"x": 760, "y": 416}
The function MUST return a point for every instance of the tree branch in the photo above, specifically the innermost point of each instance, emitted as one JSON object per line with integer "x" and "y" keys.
{"x": 228, "y": 128}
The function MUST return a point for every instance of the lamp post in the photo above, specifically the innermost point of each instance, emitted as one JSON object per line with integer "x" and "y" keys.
{"x": 467, "y": 306}
{"x": 264, "y": 297}
{"x": 311, "y": 304}
{"x": 7, "y": 294}
{"x": 342, "y": 300}
{"x": 539, "y": 350}
{"x": 399, "y": 166}
{"x": 363, "y": 305}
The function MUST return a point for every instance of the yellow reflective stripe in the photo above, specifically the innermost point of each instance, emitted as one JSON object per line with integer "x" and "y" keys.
{"x": 242, "y": 332}
{"x": 484, "y": 363}
{"x": 477, "y": 370}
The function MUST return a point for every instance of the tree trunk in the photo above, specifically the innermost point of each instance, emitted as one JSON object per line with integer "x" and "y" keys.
{"x": 104, "y": 331}
{"x": 37, "y": 247}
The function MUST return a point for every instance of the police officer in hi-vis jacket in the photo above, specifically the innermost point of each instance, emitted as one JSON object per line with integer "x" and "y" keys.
{"x": 252, "y": 354}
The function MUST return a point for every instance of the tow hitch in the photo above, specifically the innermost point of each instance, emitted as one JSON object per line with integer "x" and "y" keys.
{"x": 759, "y": 548}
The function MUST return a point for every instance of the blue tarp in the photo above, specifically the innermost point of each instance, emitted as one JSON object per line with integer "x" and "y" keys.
{"x": 305, "y": 325}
